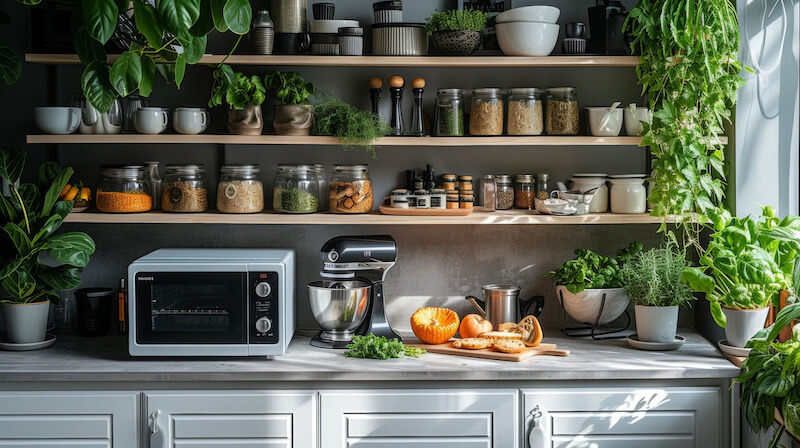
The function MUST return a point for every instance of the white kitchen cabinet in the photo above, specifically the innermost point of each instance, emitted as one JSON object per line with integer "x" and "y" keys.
{"x": 413, "y": 418}
{"x": 68, "y": 419}
{"x": 623, "y": 418}
{"x": 231, "y": 419}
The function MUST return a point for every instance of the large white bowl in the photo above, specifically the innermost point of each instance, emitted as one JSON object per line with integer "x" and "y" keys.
{"x": 330, "y": 26}
{"x": 542, "y": 14}
{"x": 527, "y": 38}
{"x": 585, "y": 306}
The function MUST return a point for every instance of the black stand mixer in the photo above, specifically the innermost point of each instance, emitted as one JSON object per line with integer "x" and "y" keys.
{"x": 350, "y": 301}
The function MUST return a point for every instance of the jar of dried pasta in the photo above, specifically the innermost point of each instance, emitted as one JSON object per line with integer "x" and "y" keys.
{"x": 525, "y": 111}
{"x": 350, "y": 189}
{"x": 486, "y": 115}
{"x": 562, "y": 114}
{"x": 239, "y": 190}
{"x": 184, "y": 189}
{"x": 124, "y": 189}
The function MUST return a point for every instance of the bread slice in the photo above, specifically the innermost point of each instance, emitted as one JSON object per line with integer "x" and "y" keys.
{"x": 501, "y": 335}
{"x": 529, "y": 328}
{"x": 509, "y": 326}
{"x": 509, "y": 346}
{"x": 472, "y": 343}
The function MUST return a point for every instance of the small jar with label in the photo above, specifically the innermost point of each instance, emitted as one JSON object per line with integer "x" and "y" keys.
{"x": 488, "y": 192}
{"x": 523, "y": 192}
{"x": 542, "y": 186}
{"x": 486, "y": 115}
{"x": 239, "y": 190}
{"x": 449, "y": 181}
{"x": 438, "y": 198}
{"x": 464, "y": 183}
{"x": 184, "y": 189}
{"x": 452, "y": 199}
{"x": 561, "y": 113}
{"x": 399, "y": 195}
{"x": 467, "y": 201}
{"x": 423, "y": 198}
{"x": 504, "y": 192}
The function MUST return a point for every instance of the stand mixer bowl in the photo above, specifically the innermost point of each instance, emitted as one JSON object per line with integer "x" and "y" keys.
{"x": 339, "y": 307}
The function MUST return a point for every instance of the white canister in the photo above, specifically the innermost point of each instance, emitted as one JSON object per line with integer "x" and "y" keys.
{"x": 351, "y": 41}
{"x": 599, "y": 202}
{"x": 628, "y": 195}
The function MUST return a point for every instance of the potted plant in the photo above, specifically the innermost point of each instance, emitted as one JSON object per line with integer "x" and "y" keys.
{"x": 30, "y": 217}
{"x": 457, "y": 33}
{"x": 243, "y": 95}
{"x": 652, "y": 280}
{"x": 581, "y": 284}
{"x": 294, "y": 115}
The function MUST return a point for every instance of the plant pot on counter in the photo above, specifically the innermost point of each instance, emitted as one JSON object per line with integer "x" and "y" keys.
{"x": 457, "y": 43}
{"x": 656, "y": 323}
{"x": 586, "y": 305}
{"x": 743, "y": 324}
{"x": 26, "y": 323}
{"x": 293, "y": 119}
{"x": 247, "y": 121}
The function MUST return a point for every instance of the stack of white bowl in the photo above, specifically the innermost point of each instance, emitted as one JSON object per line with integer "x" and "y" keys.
{"x": 528, "y": 31}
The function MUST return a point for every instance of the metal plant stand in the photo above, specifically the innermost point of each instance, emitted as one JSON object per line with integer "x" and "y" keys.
{"x": 596, "y": 331}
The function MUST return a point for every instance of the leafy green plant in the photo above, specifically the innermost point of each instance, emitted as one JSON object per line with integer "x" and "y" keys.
{"x": 351, "y": 126}
{"x": 161, "y": 30}
{"x": 30, "y": 217}
{"x": 589, "y": 270}
{"x": 289, "y": 87}
{"x": 456, "y": 20}
{"x": 236, "y": 89}
{"x": 378, "y": 347}
{"x": 653, "y": 277}
{"x": 10, "y": 62}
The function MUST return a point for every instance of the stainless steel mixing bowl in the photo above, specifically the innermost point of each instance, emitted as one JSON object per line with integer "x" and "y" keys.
{"x": 339, "y": 307}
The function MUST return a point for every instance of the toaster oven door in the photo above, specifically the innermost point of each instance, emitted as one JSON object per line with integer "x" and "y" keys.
{"x": 190, "y": 308}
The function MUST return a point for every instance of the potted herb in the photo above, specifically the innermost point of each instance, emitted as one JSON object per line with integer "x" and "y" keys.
{"x": 294, "y": 116}
{"x": 30, "y": 217}
{"x": 652, "y": 280}
{"x": 581, "y": 284}
{"x": 351, "y": 126}
{"x": 243, "y": 95}
{"x": 457, "y": 33}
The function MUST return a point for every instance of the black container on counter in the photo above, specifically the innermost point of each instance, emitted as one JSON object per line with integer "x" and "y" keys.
{"x": 94, "y": 310}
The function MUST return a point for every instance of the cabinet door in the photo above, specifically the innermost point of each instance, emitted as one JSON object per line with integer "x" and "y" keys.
{"x": 623, "y": 418}
{"x": 234, "y": 419}
{"x": 68, "y": 419}
{"x": 419, "y": 419}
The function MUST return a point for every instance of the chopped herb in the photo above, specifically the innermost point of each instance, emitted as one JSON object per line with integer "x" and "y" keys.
{"x": 378, "y": 347}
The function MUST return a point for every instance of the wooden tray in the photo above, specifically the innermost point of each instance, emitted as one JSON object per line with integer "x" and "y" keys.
{"x": 387, "y": 210}
{"x": 448, "y": 349}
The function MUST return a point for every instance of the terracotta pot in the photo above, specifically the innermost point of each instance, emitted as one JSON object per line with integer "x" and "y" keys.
{"x": 293, "y": 119}
{"x": 247, "y": 121}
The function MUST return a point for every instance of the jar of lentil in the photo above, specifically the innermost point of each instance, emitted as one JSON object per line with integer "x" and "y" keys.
{"x": 350, "y": 190}
{"x": 184, "y": 189}
{"x": 525, "y": 112}
{"x": 523, "y": 192}
{"x": 486, "y": 115}
{"x": 124, "y": 189}
{"x": 504, "y": 192}
{"x": 542, "y": 186}
{"x": 322, "y": 179}
{"x": 449, "y": 116}
{"x": 562, "y": 116}
{"x": 239, "y": 190}
{"x": 296, "y": 189}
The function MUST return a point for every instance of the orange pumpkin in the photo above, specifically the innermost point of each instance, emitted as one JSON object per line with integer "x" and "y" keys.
{"x": 474, "y": 325}
{"x": 434, "y": 325}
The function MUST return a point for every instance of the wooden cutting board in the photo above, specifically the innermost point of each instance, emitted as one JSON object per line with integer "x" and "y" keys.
{"x": 486, "y": 353}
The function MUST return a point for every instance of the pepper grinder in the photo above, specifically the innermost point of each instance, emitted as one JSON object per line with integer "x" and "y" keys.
{"x": 396, "y": 88}
{"x": 417, "y": 127}
{"x": 375, "y": 85}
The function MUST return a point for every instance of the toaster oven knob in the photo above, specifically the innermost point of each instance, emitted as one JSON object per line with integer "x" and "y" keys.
{"x": 263, "y": 325}
{"x": 263, "y": 289}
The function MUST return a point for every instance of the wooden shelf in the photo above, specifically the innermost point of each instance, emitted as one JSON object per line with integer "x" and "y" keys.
{"x": 478, "y": 217}
{"x": 382, "y": 61}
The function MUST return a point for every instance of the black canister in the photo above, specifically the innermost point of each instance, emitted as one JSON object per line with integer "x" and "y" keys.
{"x": 94, "y": 310}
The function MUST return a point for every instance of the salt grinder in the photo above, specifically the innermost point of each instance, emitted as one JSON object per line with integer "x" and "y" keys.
{"x": 417, "y": 127}
{"x": 396, "y": 88}
{"x": 375, "y": 85}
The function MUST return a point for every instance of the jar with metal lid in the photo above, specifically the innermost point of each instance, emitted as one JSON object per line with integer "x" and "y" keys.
{"x": 449, "y": 181}
{"x": 542, "y": 189}
{"x": 488, "y": 188}
{"x": 466, "y": 201}
{"x": 350, "y": 189}
{"x": 465, "y": 183}
{"x": 322, "y": 179}
{"x": 486, "y": 114}
{"x": 504, "y": 192}
{"x": 239, "y": 190}
{"x": 449, "y": 116}
{"x": 296, "y": 189}
{"x": 124, "y": 189}
{"x": 452, "y": 199}
{"x": 399, "y": 196}
{"x": 351, "y": 41}
{"x": 525, "y": 111}
{"x": 184, "y": 189}
{"x": 523, "y": 192}
{"x": 562, "y": 115}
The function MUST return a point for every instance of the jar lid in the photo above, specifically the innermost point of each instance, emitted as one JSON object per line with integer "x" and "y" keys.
{"x": 449, "y": 176}
{"x": 524, "y": 178}
{"x": 465, "y": 178}
{"x": 590, "y": 175}
{"x": 452, "y": 192}
{"x": 244, "y": 167}
{"x": 123, "y": 166}
{"x": 561, "y": 90}
{"x": 438, "y": 191}
{"x": 351, "y": 31}
{"x": 488, "y": 177}
{"x": 396, "y": 5}
{"x": 543, "y": 176}
{"x": 400, "y": 191}
{"x": 319, "y": 165}
{"x": 351, "y": 167}
{"x": 421, "y": 192}
{"x": 503, "y": 178}
{"x": 184, "y": 167}
{"x": 448, "y": 92}
{"x": 398, "y": 25}
{"x": 525, "y": 91}
{"x": 487, "y": 91}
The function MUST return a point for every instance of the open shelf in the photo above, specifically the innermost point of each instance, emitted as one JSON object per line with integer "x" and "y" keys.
{"x": 382, "y": 61}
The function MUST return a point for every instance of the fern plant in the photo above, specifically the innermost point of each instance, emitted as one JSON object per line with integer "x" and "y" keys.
{"x": 353, "y": 127}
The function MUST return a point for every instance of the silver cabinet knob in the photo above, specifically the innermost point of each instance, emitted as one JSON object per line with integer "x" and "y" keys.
{"x": 263, "y": 325}
{"x": 263, "y": 289}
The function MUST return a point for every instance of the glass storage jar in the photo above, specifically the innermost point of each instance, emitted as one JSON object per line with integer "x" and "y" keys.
{"x": 523, "y": 192}
{"x": 184, "y": 189}
{"x": 449, "y": 116}
{"x": 296, "y": 189}
{"x": 239, "y": 190}
{"x": 562, "y": 117}
{"x": 504, "y": 192}
{"x": 486, "y": 114}
{"x": 542, "y": 188}
{"x": 322, "y": 179}
{"x": 488, "y": 192}
{"x": 124, "y": 189}
{"x": 525, "y": 112}
{"x": 350, "y": 189}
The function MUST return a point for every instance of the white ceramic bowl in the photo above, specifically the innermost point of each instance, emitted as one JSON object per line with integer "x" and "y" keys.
{"x": 542, "y": 14}
{"x": 585, "y": 306}
{"x": 527, "y": 38}
{"x": 600, "y": 126}
{"x": 330, "y": 26}
{"x": 57, "y": 120}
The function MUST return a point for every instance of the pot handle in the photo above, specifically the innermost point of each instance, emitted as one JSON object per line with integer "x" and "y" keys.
{"x": 479, "y": 304}
{"x": 532, "y": 306}
{"x": 306, "y": 42}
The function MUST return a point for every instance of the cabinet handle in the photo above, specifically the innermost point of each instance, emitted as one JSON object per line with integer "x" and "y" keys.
{"x": 536, "y": 436}
{"x": 157, "y": 439}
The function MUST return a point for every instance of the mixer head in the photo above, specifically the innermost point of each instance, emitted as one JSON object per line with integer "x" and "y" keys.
{"x": 351, "y": 256}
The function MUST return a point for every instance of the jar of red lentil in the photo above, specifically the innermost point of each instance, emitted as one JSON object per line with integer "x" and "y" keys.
{"x": 124, "y": 189}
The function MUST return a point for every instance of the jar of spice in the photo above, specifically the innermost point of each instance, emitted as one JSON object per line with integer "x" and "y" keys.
{"x": 465, "y": 183}
{"x": 239, "y": 190}
{"x": 504, "y": 193}
{"x": 350, "y": 189}
{"x": 523, "y": 192}
{"x": 296, "y": 189}
{"x": 562, "y": 117}
{"x": 399, "y": 195}
{"x": 467, "y": 201}
{"x": 184, "y": 189}
{"x": 124, "y": 189}
{"x": 449, "y": 181}
{"x": 449, "y": 116}
{"x": 525, "y": 112}
{"x": 486, "y": 115}
{"x": 542, "y": 186}
{"x": 322, "y": 180}
{"x": 452, "y": 199}
{"x": 488, "y": 192}
{"x": 438, "y": 198}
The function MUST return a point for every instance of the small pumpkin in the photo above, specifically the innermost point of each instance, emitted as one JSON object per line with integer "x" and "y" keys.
{"x": 434, "y": 325}
{"x": 473, "y": 325}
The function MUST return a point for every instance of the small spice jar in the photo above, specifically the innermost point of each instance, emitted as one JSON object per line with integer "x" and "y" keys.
{"x": 124, "y": 189}
{"x": 467, "y": 201}
{"x": 486, "y": 115}
{"x": 504, "y": 193}
{"x": 184, "y": 189}
{"x": 350, "y": 190}
{"x": 399, "y": 195}
{"x": 239, "y": 190}
{"x": 423, "y": 198}
{"x": 296, "y": 189}
{"x": 449, "y": 181}
{"x": 438, "y": 198}
{"x": 562, "y": 115}
{"x": 452, "y": 199}
{"x": 542, "y": 188}
{"x": 525, "y": 112}
{"x": 351, "y": 41}
{"x": 523, "y": 192}
{"x": 488, "y": 192}
{"x": 449, "y": 116}
{"x": 465, "y": 183}
{"x": 322, "y": 180}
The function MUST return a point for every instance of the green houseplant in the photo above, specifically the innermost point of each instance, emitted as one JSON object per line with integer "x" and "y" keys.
{"x": 30, "y": 218}
{"x": 353, "y": 127}
{"x": 10, "y": 63}
{"x": 457, "y": 33}
{"x": 243, "y": 95}
{"x": 294, "y": 115}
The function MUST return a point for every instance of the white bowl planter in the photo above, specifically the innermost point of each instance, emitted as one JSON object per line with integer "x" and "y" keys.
{"x": 585, "y": 306}
{"x": 743, "y": 324}
{"x": 26, "y": 323}
{"x": 656, "y": 323}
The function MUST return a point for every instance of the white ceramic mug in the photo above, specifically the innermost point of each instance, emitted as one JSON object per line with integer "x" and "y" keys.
{"x": 634, "y": 118}
{"x": 57, "y": 120}
{"x": 190, "y": 120}
{"x": 604, "y": 123}
{"x": 151, "y": 120}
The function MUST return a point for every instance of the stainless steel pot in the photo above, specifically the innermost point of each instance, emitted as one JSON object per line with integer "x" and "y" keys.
{"x": 339, "y": 307}
{"x": 501, "y": 304}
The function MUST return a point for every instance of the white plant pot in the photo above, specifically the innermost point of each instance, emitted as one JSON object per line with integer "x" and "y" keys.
{"x": 656, "y": 323}
{"x": 585, "y": 306}
{"x": 26, "y": 323}
{"x": 743, "y": 324}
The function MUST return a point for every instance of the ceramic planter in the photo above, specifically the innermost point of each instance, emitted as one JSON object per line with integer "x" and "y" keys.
{"x": 743, "y": 324}
{"x": 656, "y": 323}
{"x": 585, "y": 306}
{"x": 457, "y": 43}
{"x": 293, "y": 119}
{"x": 247, "y": 121}
{"x": 26, "y": 323}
